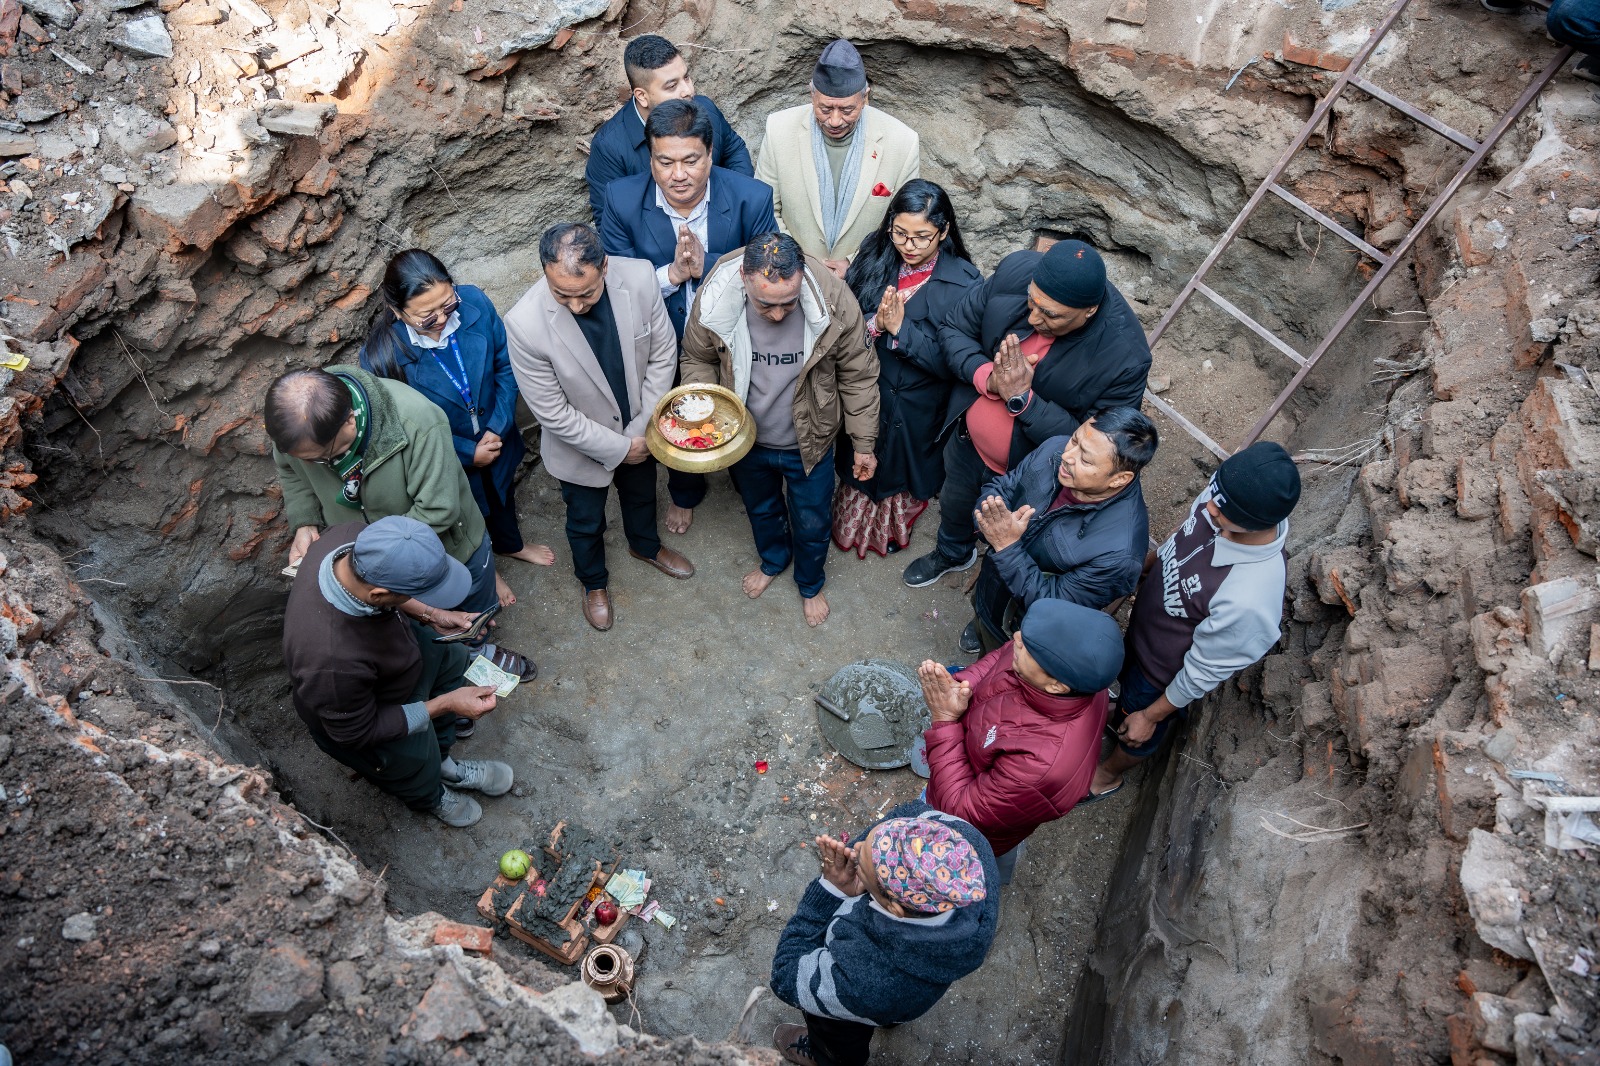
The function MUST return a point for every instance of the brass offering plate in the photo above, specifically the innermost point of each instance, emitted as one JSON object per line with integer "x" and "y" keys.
{"x": 700, "y": 428}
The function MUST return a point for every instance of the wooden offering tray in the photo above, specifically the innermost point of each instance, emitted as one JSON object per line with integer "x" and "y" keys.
{"x": 577, "y": 878}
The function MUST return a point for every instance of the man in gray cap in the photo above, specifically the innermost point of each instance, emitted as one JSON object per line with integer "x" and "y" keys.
{"x": 833, "y": 164}
{"x": 373, "y": 688}
{"x": 1015, "y": 736}
{"x": 1036, "y": 349}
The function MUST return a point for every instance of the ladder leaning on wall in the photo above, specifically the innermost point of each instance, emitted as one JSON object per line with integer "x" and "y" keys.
{"x": 1386, "y": 261}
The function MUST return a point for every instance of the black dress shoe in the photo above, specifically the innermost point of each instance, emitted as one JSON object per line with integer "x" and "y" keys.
{"x": 970, "y": 642}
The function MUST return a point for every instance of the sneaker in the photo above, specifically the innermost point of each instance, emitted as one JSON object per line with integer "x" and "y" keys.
{"x": 934, "y": 565}
{"x": 1587, "y": 68}
{"x": 465, "y": 726}
{"x": 457, "y": 810}
{"x": 794, "y": 1044}
{"x": 970, "y": 642}
{"x": 1501, "y": 7}
{"x": 480, "y": 775}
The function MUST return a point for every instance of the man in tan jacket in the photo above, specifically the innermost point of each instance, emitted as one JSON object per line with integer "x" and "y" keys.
{"x": 773, "y": 325}
{"x": 593, "y": 351}
{"x": 834, "y": 163}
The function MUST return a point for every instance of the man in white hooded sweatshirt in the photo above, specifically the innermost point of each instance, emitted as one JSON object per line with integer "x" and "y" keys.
{"x": 772, "y": 324}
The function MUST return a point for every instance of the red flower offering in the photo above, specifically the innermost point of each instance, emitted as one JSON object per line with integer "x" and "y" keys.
{"x": 761, "y": 766}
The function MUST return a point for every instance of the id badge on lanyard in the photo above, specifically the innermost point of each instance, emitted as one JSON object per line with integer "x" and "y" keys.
{"x": 461, "y": 384}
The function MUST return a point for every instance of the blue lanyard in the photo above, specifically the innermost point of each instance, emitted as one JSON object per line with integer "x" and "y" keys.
{"x": 463, "y": 385}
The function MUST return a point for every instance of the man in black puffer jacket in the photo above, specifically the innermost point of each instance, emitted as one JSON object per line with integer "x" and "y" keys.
{"x": 1036, "y": 348}
{"x": 1069, "y": 523}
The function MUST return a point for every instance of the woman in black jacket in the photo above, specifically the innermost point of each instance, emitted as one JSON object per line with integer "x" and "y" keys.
{"x": 906, "y": 276}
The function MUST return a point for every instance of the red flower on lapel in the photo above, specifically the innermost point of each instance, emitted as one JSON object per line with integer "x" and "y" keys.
{"x": 881, "y": 189}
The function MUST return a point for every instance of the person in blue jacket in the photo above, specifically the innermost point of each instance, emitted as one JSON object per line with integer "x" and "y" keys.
{"x": 447, "y": 342}
{"x": 656, "y": 73}
{"x": 682, "y": 215}
{"x": 899, "y": 915}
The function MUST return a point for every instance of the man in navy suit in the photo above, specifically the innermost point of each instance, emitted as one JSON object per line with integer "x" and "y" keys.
{"x": 656, "y": 73}
{"x": 682, "y": 216}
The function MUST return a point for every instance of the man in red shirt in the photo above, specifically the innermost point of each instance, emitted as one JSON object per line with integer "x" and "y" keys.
{"x": 1035, "y": 349}
{"x": 1016, "y": 735}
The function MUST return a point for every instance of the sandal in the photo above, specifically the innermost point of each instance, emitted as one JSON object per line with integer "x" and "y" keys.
{"x": 524, "y": 668}
{"x": 1096, "y": 797}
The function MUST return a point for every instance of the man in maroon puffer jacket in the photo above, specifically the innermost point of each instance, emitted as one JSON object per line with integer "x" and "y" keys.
{"x": 1016, "y": 735}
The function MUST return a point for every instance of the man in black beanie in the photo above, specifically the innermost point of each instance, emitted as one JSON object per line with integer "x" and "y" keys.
{"x": 1036, "y": 349}
{"x": 1209, "y": 607}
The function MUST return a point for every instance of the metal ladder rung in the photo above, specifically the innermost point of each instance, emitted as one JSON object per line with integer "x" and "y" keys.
{"x": 1413, "y": 113}
{"x": 1249, "y": 323}
{"x": 1300, "y": 205}
{"x": 1187, "y": 426}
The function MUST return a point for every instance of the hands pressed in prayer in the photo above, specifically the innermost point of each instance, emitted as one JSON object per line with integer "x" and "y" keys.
{"x": 946, "y": 697}
{"x": 999, "y": 524}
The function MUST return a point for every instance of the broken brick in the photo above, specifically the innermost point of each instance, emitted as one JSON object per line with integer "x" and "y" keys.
{"x": 473, "y": 938}
{"x": 286, "y": 986}
{"x": 1311, "y": 57}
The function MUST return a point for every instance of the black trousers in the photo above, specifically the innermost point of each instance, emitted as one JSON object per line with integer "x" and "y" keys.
{"x": 586, "y": 520}
{"x": 995, "y": 608}
{"x": 505, "y": 536}
{"x": 408, "y": 768}
{"x": 964, "y": 477}
{"x": 836, "y": 1043}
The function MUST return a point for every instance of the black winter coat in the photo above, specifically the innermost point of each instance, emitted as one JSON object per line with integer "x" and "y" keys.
{"x": 1102, "y": 365}
{"x": 914, "y": 388}
{"x": 1087, "y": 553}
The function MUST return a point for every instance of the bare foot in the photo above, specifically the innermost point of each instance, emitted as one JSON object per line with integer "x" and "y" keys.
{"x": 755, "y": 583}
{"x": 1103, "y": 782}
{"x": 679, "y": 519}
{"x": 503, "y": 590}
{"x": 537, "y": 554}
{"x": 816, "y": 609}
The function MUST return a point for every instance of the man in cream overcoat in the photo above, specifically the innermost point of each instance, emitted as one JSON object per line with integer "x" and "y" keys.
{"x": 834, "y": 163}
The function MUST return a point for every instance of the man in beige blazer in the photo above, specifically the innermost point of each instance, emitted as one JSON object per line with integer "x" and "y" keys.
{"x": 594, "y": 352}
{"x": 834, "y": 163}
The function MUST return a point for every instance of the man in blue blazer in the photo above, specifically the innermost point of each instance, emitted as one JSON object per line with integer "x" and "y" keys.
{"x": 682, "y": 216}
{"x": 657, "y": 73}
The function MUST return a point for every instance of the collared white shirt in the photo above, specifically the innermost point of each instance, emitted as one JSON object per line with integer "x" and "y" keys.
{"x": 451, "y": 324}
{"x": 697, "y": 221}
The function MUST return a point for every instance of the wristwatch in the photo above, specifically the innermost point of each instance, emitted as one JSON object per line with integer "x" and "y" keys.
{"x": 1017, "y": 403}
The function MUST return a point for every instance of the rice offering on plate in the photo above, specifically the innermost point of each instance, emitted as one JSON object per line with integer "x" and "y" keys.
{"x": 694, "y": 424}
{"x": 693, "y": 407}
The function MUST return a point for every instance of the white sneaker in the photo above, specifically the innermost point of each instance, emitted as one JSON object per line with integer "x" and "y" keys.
{"x": 457, "y": 810}
{"x": 480, "y": 775}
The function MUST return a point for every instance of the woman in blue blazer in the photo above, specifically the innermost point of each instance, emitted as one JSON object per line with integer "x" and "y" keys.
{"x": 447, "y": 342}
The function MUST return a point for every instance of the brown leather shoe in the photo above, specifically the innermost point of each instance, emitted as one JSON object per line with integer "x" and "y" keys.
{"x": 597, "y": 609}
{"x": 669, "y": 562}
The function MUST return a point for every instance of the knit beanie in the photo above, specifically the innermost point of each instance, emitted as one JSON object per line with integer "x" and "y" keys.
{"x": 840, "y": 71}
{"x": 926, "y": 866}
{"x": 1078, "y": 646}
{"x": 1072, "y": 273}
{"x": 1258, "y": 487}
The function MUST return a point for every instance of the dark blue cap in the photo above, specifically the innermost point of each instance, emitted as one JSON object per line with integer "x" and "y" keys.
{"x": 1079, "y": 647}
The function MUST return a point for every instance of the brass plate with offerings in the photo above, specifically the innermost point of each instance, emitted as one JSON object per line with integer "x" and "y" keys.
{"x": 700, "y": 428}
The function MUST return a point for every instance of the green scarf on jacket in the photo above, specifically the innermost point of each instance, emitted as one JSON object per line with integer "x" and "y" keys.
{"x": 409, "y": 467}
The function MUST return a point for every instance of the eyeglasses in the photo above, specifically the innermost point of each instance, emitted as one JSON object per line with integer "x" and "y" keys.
{"x": 899, "y": 236}
{"x": 439, "y": 316}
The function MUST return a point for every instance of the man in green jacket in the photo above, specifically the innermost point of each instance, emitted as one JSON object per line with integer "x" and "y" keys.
{"x": 350, "y": 445}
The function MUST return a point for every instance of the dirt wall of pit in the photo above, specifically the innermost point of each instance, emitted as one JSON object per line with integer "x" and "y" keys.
{"x": 182, "y": 229}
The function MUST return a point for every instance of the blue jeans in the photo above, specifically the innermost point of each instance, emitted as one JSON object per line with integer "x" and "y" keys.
{"x": 793, "y": 530}
{"x": 1139, "y": 692}
{"x": 482, "y": 596}
{"x": 1575, "y": 22}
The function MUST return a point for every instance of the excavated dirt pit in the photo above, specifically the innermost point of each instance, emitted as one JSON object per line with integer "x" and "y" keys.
{"x": 651, "y": 732}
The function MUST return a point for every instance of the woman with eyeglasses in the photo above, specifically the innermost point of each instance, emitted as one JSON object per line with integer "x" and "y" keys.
{"x": 447, "y": 342}
{"x": 906, "y": 276}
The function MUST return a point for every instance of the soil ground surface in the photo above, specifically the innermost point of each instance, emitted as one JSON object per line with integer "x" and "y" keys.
{"x": 651, "y": 732}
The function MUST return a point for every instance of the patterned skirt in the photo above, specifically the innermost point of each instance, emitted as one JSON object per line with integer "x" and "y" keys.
{"x": 862, "y": 525}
